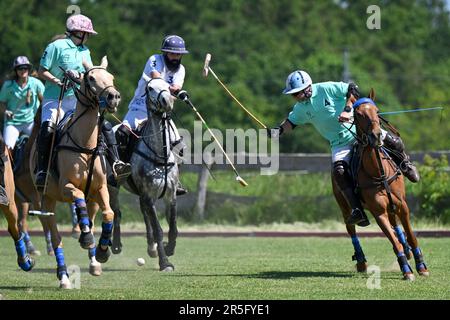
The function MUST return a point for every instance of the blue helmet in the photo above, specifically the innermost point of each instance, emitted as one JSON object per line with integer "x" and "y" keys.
{"x": 297, "y": 81}
{"x": 173, "y": 44}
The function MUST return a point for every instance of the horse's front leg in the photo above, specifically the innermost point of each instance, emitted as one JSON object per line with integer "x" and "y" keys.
{"x": 95, "y": 267}
{"x": 86, "y": 238}
{"x": 103, "y": 252}
{"x": 171, "y": 216}
{"x": 148, "y": 207}
{"x": 115, "y": 206}
{"x": 56, "y": 240}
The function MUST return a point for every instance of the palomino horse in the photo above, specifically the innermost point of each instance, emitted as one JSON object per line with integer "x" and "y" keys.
{"x": 382, "y": 191}
{"x": 76, "y": 177}
{"x": 154, "y": 175}
{"x": 25, "y": 262}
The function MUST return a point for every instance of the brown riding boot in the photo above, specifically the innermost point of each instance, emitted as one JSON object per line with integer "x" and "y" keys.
{"x": 396, "y": 150}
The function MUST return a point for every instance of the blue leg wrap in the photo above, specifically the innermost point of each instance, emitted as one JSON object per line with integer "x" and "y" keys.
{"x": 401, "y": 237}
{"x": 92, "y": 252}
{"x": 403, "y": 262}
{"x": 26, "y": 237}
{"x": 105, "y": 238}
{"x": 59, "y": 255}
{"x": 83, "y": 218}
{"x": 23, "y": 259}
{"x": 73, "y": 210}
{"x": 418, "y": 257}
{"x": 359, "y": 254}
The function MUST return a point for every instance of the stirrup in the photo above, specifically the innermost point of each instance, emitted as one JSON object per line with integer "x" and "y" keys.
{"x": 357, "y": 217}
{"x": 121, "y": 170}
{"x": 181, "y": 191}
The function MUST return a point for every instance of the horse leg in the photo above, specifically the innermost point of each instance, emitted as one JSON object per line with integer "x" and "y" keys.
{"x": 86, "y": 239}
{"x": 385, "y": 225}
{"x": 95, "y": 267}
{"x": 116, "y": 246}
{"x": 47, "y": 234}
{"x": 400, "y": 236}
{"x": 171, "y": 217}
{"x": 148, "y": 207}
{"x": 103, "y": 252}
{"x": 61, "y": 268}
{"x": 23, "y": 208}
{"x": 151, "y": 244}
{"x": 24, "y": 260}
{"x": 412, "y": 240}
{"x": 359, "y": 257}
{"x": 75, "y": 227}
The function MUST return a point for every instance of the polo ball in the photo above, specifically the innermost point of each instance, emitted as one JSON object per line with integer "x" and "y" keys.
{"x": 140, "y": 261}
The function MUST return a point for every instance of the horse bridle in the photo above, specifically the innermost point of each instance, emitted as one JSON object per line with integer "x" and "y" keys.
{"x": 93, "y": 99}
{"x": 155, "y": 101}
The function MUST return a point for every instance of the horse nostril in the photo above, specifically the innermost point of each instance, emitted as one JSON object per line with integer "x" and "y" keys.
{"x": 118, "y": 96}
{"x": 110, "y": 96}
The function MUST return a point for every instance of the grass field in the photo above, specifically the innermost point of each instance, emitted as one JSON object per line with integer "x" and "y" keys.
{"x": 233, "y": 268}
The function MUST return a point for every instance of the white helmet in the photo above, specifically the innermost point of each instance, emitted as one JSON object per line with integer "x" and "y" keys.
{"x": 297, "y": 81}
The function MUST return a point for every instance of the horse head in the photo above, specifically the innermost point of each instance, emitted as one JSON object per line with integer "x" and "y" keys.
{"x": 158, "y": 96}
{"x": 98, "y": 85}
{"x": 368, "y": 126}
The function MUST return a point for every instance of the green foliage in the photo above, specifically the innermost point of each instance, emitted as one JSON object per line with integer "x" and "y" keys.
{"x": 434, "y": 189}
{"x": 255, "y": 45}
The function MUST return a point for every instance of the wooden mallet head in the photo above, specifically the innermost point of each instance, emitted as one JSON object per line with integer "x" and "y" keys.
{"x": 206, "y": 65}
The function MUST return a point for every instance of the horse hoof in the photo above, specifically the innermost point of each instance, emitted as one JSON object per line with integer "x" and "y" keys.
{"x": 408, "y": 255}
{"x": 409, "y": 276}
{"x": 95, "y": 269}
{"x": 86, "y": 240}
{"x": 151, "y": 250}
{"x": 361, "y": 267}
{"x": 168, "y": 269}
{"x": 65, "y": 283}
{"x": 101, "y": 255}
{"x": 76, "y": 232}
{"x": 35, "y": 253}
{"x": 424, "y": 272}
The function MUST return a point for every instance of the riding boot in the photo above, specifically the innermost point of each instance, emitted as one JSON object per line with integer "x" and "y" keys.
{"x": 43, "y": 149}
{"x": 3, "y": 158}
{"x": 177, "y": 148}
{"x": 124, "y": 147}
{"x": 345, "y": 183}
{"x": 121, "y": 170}
{"x": 358, "y": 216}
{"x": 396, "y": 150}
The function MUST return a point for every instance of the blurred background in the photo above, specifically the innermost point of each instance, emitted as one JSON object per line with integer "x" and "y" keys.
{"x": 255, "y": 45}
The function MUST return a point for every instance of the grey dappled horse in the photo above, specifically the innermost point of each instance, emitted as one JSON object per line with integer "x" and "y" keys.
{"x": 154, "y": 175}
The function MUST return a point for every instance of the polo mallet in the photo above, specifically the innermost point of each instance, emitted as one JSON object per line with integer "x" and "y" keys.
{"x": 60, "y": 99}
{"x": 207, "y": 69}
{"x": 183, "y": 96}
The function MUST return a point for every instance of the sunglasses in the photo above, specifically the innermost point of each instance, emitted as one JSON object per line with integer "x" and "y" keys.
{"x": 23, "y": 68}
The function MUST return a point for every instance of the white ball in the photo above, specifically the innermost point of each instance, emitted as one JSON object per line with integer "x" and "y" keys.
{"x": 140, "y": 261}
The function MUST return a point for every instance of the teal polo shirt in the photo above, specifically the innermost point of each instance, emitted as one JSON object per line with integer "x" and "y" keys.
{"x": 15, "y": 98}
{"x": 63, "y": 53}
{"x": 322, "y": 110}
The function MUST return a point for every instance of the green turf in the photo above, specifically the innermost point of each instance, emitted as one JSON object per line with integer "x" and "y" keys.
{"x": 233, "y": 268}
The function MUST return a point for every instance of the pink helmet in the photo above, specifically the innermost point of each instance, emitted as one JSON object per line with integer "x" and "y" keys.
{"x": 79, "y": 22}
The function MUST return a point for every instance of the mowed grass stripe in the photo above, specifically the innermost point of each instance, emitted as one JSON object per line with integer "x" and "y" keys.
{"x": 233, "y": 268}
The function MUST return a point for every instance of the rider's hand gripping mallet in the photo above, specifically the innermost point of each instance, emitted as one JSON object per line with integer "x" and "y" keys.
{"x": 207, "y": 69}
{"x": 183, "y": 96}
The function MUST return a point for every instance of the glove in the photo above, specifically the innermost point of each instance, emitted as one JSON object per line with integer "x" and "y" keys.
{"x": 183, "y": 95}
{"x": 73, "y": 74}
{"x": 9, "y": 114}
{"x": 275, "y": 132}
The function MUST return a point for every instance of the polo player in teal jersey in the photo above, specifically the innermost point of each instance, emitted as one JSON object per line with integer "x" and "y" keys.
{"x": 326, "y": 106}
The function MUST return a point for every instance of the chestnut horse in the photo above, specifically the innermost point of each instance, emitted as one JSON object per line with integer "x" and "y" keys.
{"x": 24, "y": 260}
{"x": 382, "y": 191}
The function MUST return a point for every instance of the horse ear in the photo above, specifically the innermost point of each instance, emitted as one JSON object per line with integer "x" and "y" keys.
{"x": 372, "y": 94}
{"x": 104, "y": 63}
{"x": 87, "y": 65}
